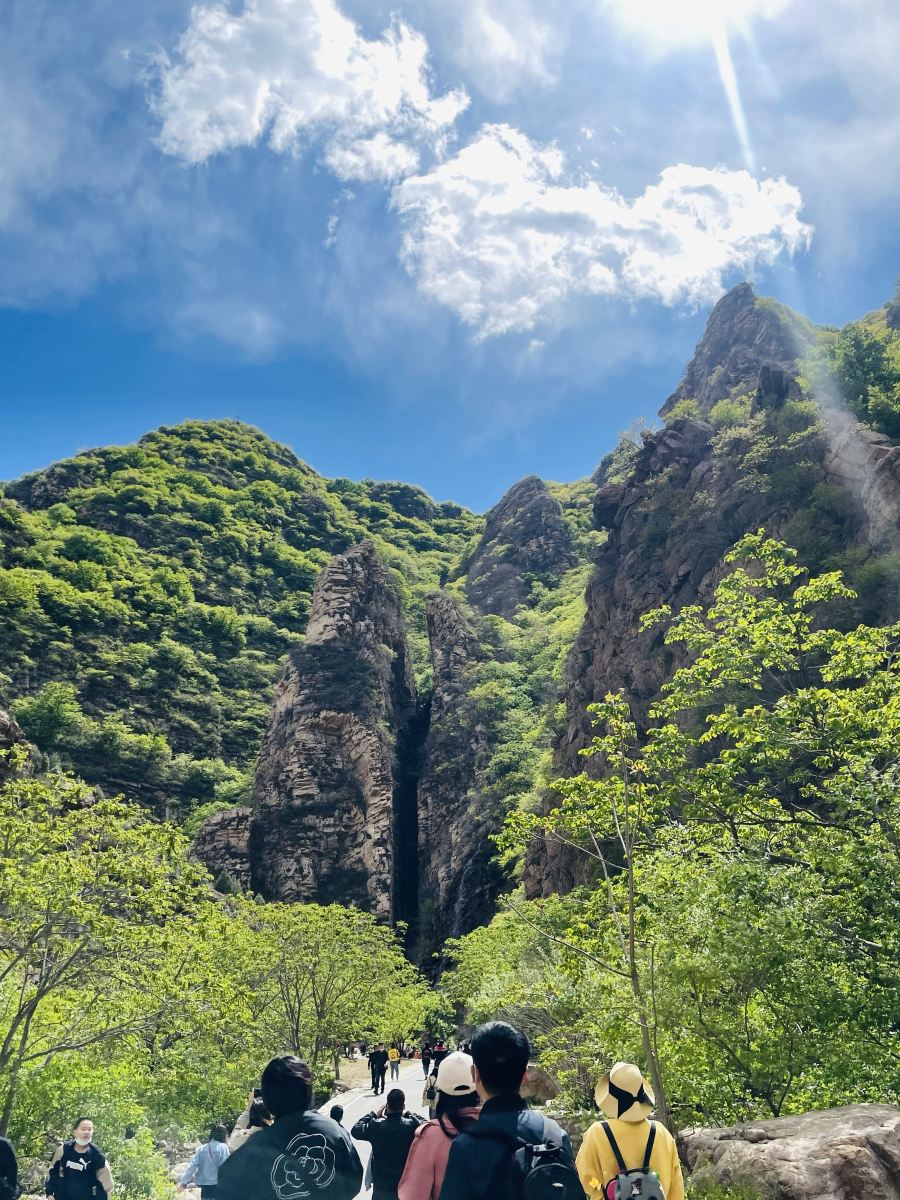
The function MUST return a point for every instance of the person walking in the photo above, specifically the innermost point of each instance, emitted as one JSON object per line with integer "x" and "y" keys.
{"x": 481, "y": 1162}
{"x": 628, "y": 1140}
{"x": 378, "y": 1061}
{"x": 302, "y": 1153}
{"x": 438, "y": 1053}
{"x": 78, "y": 1169}
{"x": 9, "y": 1171}
{"x": 456, "y": 1108}
{"x": 203, "y": 1169}
{"x": 394, "y": 1061}
{"x": 390, "y": 1131}
{"x": 426, "y": 1060}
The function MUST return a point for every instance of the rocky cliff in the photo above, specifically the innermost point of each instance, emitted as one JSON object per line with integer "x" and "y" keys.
{"x": 819, "y": 480}
{"x": 333, "y": 810}
{"x": 526, "y": 539}
{"x": 458, "y": 881}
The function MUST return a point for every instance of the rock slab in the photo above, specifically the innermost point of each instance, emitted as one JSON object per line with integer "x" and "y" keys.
{"x": 850, "y": 1153}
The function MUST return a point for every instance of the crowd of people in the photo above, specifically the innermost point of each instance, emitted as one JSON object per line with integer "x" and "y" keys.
{"x": 481, "y": 1142}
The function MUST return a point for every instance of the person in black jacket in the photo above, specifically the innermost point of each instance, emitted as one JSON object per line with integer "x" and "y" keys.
{"x": 9, "y": 1171}
{"x": 391, "y": 1132}
{"x": 302, "y": 1153}
{"x": 378, "y": 1061}
{"x": 480, "y": 1162}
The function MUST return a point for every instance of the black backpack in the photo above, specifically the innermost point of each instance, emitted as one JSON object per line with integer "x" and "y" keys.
{"x": 533, "y": 1170}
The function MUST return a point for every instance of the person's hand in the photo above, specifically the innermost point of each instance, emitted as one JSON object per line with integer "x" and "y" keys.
{"x": 380, "y": 1112}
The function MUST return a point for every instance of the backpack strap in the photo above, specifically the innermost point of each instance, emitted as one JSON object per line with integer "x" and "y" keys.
{"x": 649, "y": 1151}
{"x": 615, "y": 1146}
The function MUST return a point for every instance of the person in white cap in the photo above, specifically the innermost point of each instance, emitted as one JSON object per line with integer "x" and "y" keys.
{"x": 456, "y": 1109}
{"x": 621, "y": 1143}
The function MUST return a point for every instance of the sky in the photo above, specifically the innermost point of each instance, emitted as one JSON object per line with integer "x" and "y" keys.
{"x": 452, "y": 242}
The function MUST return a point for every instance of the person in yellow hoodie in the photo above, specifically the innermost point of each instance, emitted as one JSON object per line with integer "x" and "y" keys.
{"x": 394, "y": 1060}
{"x": 626, "y": 1099}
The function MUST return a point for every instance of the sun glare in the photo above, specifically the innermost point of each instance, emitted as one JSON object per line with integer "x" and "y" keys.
{"x": 673, "y": 21}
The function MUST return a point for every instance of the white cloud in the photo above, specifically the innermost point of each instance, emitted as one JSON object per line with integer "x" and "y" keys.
{"x": 498, "y": 235}
{"x": 291, "y": 71}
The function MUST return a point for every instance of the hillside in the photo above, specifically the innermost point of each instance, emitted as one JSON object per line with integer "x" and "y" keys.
{"x": 149, "y": 596}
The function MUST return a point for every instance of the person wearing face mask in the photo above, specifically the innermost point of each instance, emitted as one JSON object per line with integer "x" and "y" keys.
{"x": 78, "y": 1170}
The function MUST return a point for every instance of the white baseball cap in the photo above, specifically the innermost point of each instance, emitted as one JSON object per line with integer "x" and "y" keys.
{"x": 454, "y": 1077}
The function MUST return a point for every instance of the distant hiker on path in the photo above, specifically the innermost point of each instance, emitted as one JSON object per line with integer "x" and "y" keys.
{"x": 456, "y": 1108}
{"x": 203, "y": 1169}
{"x": 378, "y": 1061}
{"x": 628, "y": 1143}
{"x": 394, "y": 1060}
{"x": 78, "y": 1170}
{"x": 390, "y": 1132}
{"x": 302, "y": 1153}
{"x": 482, "y": 1161}
{"x": 438, "y": 1053}
{"x": 426, "y": 1059}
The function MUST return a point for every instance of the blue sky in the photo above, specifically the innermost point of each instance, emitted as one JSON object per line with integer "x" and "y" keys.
{"x": 447, "y": 241}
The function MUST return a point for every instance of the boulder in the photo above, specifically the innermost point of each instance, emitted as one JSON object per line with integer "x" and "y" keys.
{"x": 838, "y": 1154}
{"x": 538, "y": 1084}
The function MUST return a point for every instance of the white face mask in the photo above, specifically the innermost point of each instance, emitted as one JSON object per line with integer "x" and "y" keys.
{"x": 81, "y": 1140}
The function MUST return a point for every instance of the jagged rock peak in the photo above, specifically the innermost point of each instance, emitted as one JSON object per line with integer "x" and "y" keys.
{"x": 222, "y": 844}
{"x": 743, "y": 334}
{"x": 454, "y": 647}
{"x": 352, "y": 588}
{"x": 526, "y": 538}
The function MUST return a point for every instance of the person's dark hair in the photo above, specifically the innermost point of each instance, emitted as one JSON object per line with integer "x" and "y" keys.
{"x": 395, "y": 1100}
{"x": 451, "y": 1106}
{"x": 501, "y": 1054}
{"x": 286, "y": 1086}
{"x": 81, "y": 1121}
{"x": 393, "y": 1045}
{"x": 258, "y": 1115}
{"x": 337, "y": 1113}
{"x": 218, "y": 1133}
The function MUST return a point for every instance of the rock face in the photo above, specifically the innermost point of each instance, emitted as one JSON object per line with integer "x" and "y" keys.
{"x": 458, "y": 882}
{"x": 684, "y": 504}
{"x": 742, "y": 335}
{"x": 223, "y": 844}
{"x": 832, "y": 1155}
{"x": 526, "y": 538}
{"x": 333, "y": 815}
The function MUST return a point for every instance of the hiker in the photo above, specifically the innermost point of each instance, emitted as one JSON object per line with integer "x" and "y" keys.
{"x": 378, "y": 1061}
{"x": 394, "y": 1060}
{"x": 390, "y": 1131}
{"x": 426, "y": 1059}
{"x": 438, "y": 1053}
{"x": 336, "y": 1113}
{"x": 78, "y": 1170}
{"x": 254, "y": 1117}
{"x": 9, "y": 1171}
{"x": 456, "y": 1108}
{"x": 487, "y": 1159}
{"x": 301, "y": 1153}
{"x": 628, "y": 1143}
{"x": 429, "y": 1095}
{"x": 203, "y": 1169}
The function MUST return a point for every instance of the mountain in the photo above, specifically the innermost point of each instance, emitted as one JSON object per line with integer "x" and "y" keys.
{"x": 435, "y": 665}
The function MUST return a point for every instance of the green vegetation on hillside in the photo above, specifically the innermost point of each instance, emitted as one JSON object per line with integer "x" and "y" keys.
{"x": 742, "y": 940}
{"x": 148, "y": 594}
{"x": 129, "y": 992}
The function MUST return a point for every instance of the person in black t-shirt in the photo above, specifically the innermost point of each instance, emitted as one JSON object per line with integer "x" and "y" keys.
{"x": 78, "y": 1170}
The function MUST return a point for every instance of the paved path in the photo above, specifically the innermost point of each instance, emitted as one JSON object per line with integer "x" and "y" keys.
{"x": 360, "y": 1101}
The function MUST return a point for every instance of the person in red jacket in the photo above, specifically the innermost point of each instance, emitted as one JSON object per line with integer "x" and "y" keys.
{"x": 457, "y": 1108}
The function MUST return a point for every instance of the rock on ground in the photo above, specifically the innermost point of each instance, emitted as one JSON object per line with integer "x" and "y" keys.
{"x": 850, "y": 1153}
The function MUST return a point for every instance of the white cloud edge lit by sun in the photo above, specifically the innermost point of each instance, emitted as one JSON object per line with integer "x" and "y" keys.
{"x": 496, "y": 233}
